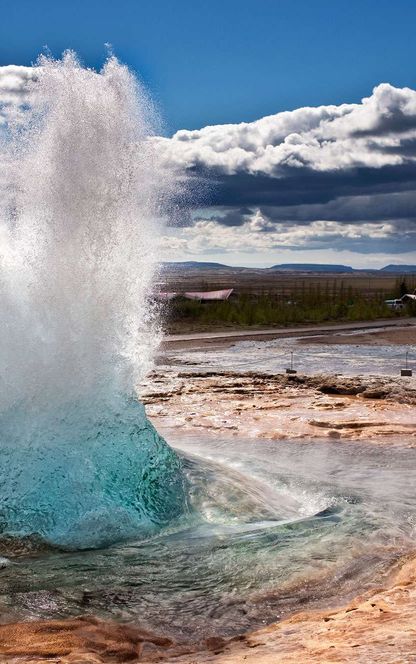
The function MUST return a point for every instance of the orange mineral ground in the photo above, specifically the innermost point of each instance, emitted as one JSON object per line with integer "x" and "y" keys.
{"x": 258, "y": 405}
{"x": 377, "y": 627}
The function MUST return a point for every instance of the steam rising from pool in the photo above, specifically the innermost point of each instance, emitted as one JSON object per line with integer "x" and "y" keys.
{"x": 80, "y": 465}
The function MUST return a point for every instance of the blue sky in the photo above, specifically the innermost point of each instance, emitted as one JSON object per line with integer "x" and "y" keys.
{"x": 335, "y": 183}
{"x": 227, "y": 60}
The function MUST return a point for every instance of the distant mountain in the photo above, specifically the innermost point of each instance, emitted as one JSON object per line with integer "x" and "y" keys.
{"x": 288, "y": 267}
{"x": 400, "y": 269}
{"x": 183, "y": 265}
{"x": 311, "y": 267}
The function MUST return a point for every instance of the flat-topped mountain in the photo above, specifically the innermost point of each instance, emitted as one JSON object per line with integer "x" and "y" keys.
{"x": 400, "y": 269}
{"x": 312, "y": 267}
{"x": 183, "y": 265}
{"x": 286, "y": 267}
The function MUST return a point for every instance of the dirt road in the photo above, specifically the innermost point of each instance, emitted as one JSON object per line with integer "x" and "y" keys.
{"x": 228, "y": 337}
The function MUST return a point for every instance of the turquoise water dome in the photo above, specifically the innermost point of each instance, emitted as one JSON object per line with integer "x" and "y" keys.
{"x": 80, "y": 217}
{"x": 85, "y": 482}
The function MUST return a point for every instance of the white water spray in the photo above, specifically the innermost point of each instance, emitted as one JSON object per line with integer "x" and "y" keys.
{"x": 78, "y": 255}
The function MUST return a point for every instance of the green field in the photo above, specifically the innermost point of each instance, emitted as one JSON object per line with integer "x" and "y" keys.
{"x": 287, "y": 300}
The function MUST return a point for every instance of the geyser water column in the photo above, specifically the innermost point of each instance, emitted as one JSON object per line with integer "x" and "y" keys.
{"x": 80, "y": 465}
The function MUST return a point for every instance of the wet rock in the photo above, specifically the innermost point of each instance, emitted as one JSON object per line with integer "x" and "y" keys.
{"x": 215, "y": 643}
{"x": 295, "y": 379}
{"x": 374, "y": 394}
{"x": 74, "y": 639}
{"x": 333, "y": 433}
{"x": 378, "y": 627}
{"x": 340, "y": 388}
{"x": 13, "y": 547}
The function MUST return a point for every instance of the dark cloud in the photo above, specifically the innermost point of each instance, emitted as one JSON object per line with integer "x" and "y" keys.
{"x": 354, "y": 209}
{"x": 233, "y": 217}
{"x": 351, "y": 164}
{"x": 359, "y": 196}
{"x": 304, "y": 186}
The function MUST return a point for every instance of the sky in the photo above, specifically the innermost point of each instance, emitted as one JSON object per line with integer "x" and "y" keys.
{"x": 295, "y": 119}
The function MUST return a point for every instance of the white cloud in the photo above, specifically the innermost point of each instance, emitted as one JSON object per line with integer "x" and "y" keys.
{"x": 323, "y": 138}
{"x": 258, "y": 235}
{"x": 15, "y": 90}
{"x": 14, "y": 81}
{"x": 326, "y": 138}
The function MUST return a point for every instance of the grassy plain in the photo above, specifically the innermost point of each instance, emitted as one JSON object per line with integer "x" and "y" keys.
{"x": 264, "y": 298}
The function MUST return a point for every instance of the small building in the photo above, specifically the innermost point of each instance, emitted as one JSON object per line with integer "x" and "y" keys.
{"x": 200, "y": 296}
{"x": 399, "y": 303}
{"x": 396, "y": 304}
{"x": 409, "y": 297}
{"x": 208, "y": 296}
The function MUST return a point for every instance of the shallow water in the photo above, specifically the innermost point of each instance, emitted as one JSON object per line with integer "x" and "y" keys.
{"x": 275, "y": 356}
{"x": 273, "y": 527}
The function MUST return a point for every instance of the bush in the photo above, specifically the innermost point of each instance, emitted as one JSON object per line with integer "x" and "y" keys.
{"x": 314, "y": 306}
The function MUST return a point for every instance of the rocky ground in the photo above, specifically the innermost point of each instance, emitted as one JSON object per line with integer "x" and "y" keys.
{"x": 283, "y": 406}
{"x": 398, "y": 332}
{"x": 376, "y": 627}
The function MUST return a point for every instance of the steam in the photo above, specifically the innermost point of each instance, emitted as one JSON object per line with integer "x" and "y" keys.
{"x": 79, "y": 235}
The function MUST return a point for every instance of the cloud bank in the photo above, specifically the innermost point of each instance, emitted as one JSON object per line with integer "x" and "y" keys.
{"x": 340, "y": 177}
{"x": 374, "y": 134}
{"x": 328, "y": 178}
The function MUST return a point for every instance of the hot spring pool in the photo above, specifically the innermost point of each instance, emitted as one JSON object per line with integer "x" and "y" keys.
{"x": 272, "y": 527}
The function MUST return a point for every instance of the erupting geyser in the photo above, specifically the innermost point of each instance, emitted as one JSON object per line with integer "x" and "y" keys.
{"x": 80, "y": 465}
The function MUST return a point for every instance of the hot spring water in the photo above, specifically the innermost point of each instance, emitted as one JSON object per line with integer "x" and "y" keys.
{"x": 217, "y": 536}
{"x": 275, "y": 527}
{"x": 80, "y": 465}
